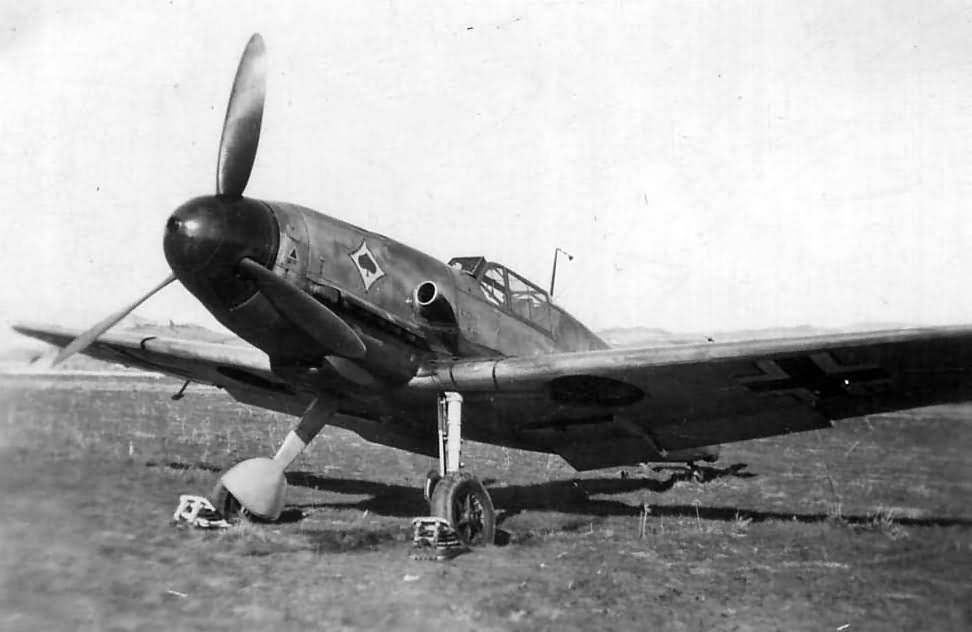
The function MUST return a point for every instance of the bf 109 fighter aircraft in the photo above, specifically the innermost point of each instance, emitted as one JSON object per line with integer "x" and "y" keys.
{"x": 351, "y": 328}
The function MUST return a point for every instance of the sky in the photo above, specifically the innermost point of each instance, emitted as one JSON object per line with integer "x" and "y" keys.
{"x": 710, "y": 165}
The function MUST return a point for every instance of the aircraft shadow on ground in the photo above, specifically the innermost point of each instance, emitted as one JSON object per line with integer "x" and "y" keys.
{"x": 175, "y": 465}
{"x": 568, "y": 496}
{"x": 577, "y": 496}
{"x": 572, "y": 496}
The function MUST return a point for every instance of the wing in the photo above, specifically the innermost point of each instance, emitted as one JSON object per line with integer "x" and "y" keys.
{"x": 620, "y": 406}
{"x": 242, "y": 370}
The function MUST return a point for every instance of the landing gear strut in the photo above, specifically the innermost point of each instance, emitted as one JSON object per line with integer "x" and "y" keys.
{"x": 256, "y": 487}
{"x": 458, "y": 497}
{"x": 695, "y": 472}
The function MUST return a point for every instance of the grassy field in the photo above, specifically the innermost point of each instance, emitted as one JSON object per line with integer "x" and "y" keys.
{"x": 864, "y": 527}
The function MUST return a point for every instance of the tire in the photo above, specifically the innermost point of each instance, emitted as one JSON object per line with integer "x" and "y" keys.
{"x": 226, "y": 504}
{"x": 432, "y": 479}
{"x": 464, "y": 502}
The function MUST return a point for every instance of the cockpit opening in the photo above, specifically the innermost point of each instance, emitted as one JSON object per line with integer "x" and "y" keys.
{"x": 470, "y": 265}
{"x": 509, "y": 291}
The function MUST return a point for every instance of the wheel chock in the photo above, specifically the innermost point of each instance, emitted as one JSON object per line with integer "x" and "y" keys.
{"x": 433, "y": 539}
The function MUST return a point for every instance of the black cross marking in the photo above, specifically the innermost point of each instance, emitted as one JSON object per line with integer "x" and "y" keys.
{"x": 803, "y": 373}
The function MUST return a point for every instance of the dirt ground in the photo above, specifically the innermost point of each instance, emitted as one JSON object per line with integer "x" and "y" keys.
{"x": 864, "y": 527}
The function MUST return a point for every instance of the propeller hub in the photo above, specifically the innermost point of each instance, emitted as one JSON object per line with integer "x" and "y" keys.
{"x": 208, "y": 236}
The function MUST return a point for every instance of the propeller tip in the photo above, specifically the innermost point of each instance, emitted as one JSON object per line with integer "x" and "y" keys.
{"x": 244, "y": 115}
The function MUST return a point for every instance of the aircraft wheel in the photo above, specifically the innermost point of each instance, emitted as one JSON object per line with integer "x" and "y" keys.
{"x": 226, "y": 504}
{"x": 432, "y": 479}
{"x": 462, "y": 500}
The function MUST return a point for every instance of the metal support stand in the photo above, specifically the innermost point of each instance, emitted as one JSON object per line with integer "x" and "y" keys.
{"x": 450, "y": 433}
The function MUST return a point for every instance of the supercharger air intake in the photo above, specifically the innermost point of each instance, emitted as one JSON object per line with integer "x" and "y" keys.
{"x": 432, "y": 306}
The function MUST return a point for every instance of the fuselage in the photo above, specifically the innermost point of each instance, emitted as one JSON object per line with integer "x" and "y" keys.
{"x": 367, "y": 279}
{"x": 408, "y": 309}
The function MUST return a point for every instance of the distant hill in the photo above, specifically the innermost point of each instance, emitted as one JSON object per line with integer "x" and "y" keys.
{"x": 21, "y": 356}
{"x": 653, "y": 336}
{"x": 647, "y": 337}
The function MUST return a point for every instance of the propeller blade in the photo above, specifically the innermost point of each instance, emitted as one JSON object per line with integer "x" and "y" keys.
{"x": 244, "y": 115}
{"x": 301, "y": 309}
{"x": 83, "y": 341}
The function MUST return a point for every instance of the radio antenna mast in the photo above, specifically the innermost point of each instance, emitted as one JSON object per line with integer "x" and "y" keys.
{"x": 553, "y": 275}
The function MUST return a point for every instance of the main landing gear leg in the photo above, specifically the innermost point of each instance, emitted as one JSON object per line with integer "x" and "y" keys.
{"x": 695, "y": 471}
{"x": 257, "y": 486}
{"x": 458, "y": 497}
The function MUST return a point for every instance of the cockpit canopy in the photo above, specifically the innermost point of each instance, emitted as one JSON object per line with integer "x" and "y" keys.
{"x": 509, "y": 291}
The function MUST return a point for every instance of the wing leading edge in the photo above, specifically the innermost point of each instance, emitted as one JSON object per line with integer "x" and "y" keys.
{"x": 241, "y": 370}
{"x": 603, "y": 408}
{"x": 230, "y": 365}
